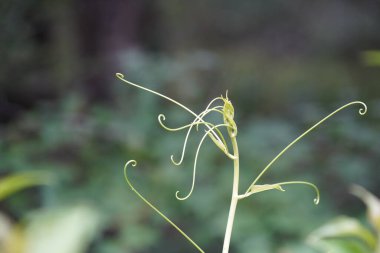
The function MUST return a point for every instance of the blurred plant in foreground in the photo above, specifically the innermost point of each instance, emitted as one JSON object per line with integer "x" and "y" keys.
{"x": 348, "y": 235}
{"x": 62, "y": 230}
{"x": 19, "y": 181}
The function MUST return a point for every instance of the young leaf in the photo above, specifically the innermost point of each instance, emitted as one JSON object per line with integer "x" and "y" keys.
{"x": 265, "y": 187}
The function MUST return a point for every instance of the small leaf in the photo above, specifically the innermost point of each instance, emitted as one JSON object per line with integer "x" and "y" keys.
{"x": 265, "y": 187}
{"x": 373, "y": 205}
{"x": 217, "y": 142}
{"x": 343, "y": 227}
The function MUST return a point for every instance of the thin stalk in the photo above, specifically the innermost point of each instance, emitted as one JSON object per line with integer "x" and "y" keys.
{"x": 234, "y": 199}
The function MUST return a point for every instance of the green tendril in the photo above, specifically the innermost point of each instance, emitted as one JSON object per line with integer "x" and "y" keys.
{"x": 197, "y": 117}
{"x": 277, "y": 186}
{"x": 195, "y": 162}
{"x": 162, "y": 118}
{"x": 134, "y": 163}
{"x": 362, "y": 111}
{"x": 214, "y": 109}
{"x": 121, "y": 77}
{"x": 197, "y": 122}
{"x": 213, "y": 101}
{"x": 316, "y": 199}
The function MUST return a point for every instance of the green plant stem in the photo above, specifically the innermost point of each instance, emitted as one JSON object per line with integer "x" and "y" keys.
{"x": 234, "y": 199}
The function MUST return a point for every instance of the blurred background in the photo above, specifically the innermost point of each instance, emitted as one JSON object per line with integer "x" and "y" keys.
{"x": 71, "y": 124}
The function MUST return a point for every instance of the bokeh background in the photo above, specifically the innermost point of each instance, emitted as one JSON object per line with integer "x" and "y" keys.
{"x": 285, "y": 64}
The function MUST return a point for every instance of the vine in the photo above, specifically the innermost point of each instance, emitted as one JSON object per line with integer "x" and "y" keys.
{"x": 223, "y": 106}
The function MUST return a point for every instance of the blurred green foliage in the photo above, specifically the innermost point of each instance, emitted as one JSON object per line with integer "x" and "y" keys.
{"x": 346, "y": 234}
{"x": 11, "y": 184}
{"x": 86, "y": 149}
{"x": 285, "y": 64}
{"x": 371, "y": 58}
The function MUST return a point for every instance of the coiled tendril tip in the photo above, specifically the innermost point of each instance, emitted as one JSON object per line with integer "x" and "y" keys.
{"x": 316, "y": 199}
{"x": 363, "y": 110}
{"x": 181, "y": 198}
{"x": 119, "y": 75}
{"x": 161, "y": 117}
{"x": 174, "y": 162}
{"x": 132, "y": 162}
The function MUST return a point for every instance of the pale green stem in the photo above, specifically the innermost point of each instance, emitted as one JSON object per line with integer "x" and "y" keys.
{"x": 234, "y": 199}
